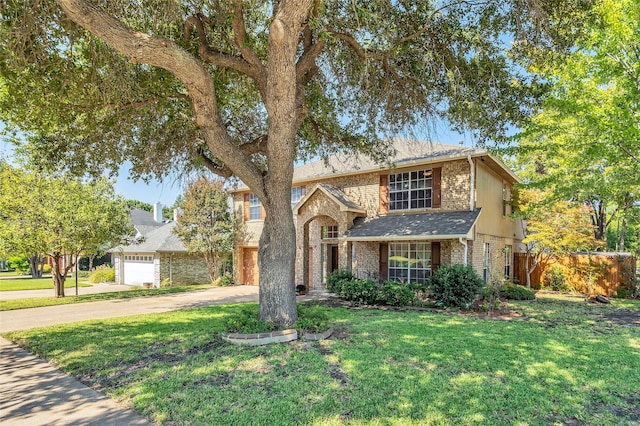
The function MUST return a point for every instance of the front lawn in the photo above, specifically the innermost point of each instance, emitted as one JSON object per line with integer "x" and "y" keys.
{"x": 566, "y": 362}
{"x": 28, "y": 283}
{"x": 38, "y": 302}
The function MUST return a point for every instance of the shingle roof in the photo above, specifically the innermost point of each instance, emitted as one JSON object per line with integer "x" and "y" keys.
{"x": 415, "y": 226}
{"x": 161, "y": 239}
{"x": 144, "y": 221}
{"x": 407, "y": 151}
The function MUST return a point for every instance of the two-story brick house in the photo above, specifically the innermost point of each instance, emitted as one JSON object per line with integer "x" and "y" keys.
{"x": 437, "y": 204}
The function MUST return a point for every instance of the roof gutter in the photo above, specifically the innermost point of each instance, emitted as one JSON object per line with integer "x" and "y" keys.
{"x": 404, "y": 238}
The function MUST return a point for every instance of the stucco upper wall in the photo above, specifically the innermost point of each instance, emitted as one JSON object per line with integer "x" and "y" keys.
{"x": 489, "y": 187}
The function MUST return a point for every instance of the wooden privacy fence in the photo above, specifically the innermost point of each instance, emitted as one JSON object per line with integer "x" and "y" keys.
{"x": 596, "y": 273}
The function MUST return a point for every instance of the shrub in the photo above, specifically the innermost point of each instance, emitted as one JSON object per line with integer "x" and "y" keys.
{"x": 247, "y": 322}
{"x": 556, "y": 279}
{"x": 396, "y": 294}
{"x": 165, "y": 283}
{"x": 20, "y": 264}
{"x": 455, "y": 285}
{"x": 102, "y": 274}
{"x": 359, "y": 291}
{"x": 46, "y": 268}
{"x": 516, "y": 292}
{"x": 490, "y": 295}
{"x": 311, "y": 319}
{"x": 224, "y": 280}
{"x": 337, "y": 278}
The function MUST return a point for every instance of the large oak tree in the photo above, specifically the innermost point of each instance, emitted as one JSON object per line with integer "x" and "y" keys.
{"x": 244, "y": 88}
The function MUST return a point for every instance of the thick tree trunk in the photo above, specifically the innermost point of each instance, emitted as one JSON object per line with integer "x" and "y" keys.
{"x": 59, "y": 276}
{"x": 276, "y": 260}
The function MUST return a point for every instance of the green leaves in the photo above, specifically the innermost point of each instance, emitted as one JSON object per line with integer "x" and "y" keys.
{"x": 59, "y": 215}
{"x": 206, "y": 225}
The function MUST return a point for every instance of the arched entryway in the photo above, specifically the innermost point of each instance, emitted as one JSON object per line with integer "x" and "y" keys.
{"x": 323, "y": 216}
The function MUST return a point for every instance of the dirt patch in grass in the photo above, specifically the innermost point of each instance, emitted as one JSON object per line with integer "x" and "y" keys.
{"x": 626, "y": 317}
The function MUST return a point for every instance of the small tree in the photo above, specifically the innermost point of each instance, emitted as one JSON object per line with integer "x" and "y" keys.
{"x": 61, "y": 217}
{"x": 551, "y": 228}
{"x": 206, "y": 224}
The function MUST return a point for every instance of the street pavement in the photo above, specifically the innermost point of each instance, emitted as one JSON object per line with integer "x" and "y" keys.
{"x": 96, "y": 288}
{"x": 32, "y": 392}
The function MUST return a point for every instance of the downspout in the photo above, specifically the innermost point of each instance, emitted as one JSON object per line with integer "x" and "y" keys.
{"x": 464, "y": 243}
{"x": 472, "y": 184}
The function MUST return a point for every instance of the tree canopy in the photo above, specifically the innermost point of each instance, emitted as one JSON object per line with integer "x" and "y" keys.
{"x": 246, "y": 87}
{"x": 59, "y": 217}
{"x": 551, "y": 227}
{"x": 585, "y": 140}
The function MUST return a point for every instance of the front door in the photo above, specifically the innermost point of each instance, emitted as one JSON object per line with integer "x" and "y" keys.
{"x": 250, "y": 266}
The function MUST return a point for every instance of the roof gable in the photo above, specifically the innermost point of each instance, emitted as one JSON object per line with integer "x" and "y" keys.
{"x": 343, "y": 201}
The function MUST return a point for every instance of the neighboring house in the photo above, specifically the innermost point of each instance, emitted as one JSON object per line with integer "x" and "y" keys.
{"x": 157, "y": 255}
{"x": 436, "y": 204}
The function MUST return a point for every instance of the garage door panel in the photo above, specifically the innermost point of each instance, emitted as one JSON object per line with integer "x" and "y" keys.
{"x": 136, "y": 273}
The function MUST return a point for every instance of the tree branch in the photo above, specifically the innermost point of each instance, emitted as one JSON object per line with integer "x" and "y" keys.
{"x": 163, "y": 53}
{"x": 213, "y": 166}
{"x": 212, "y": 56}
{"x": 240, "y": 37}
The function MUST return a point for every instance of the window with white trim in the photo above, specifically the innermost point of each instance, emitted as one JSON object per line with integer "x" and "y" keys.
{"x": 485, "y": 263}
{"x": 255, "y": 207}
{"x": 410, "y": 190}
{"x": 507, "y": 261}
{"x": 296, "y": 195}
{"x": 138, "y": 258}
{"x": 329, "y": 232}
{"x": 409, "y": 262}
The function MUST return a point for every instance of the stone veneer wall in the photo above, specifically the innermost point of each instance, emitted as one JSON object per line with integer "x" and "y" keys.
{"x": 455, "y": 185}
{"x": 366, "y": 260}
{"x": 185, "y": 269}
{"x": 496, "y": 254}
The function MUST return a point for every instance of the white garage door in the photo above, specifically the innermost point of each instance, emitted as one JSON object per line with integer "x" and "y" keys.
{"x": 138, "y": 270}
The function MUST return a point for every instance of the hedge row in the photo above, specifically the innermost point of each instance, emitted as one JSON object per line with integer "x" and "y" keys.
{"x": 451, "y": 285}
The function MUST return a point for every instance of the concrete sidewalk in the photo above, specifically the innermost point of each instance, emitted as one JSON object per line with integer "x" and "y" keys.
{"x": 32, "y": 392}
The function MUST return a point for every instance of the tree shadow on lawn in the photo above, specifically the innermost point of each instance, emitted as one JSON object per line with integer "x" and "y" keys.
{"x": 394, "y": 367}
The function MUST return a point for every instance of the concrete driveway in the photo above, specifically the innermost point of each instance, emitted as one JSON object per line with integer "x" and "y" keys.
{"x": 96, "y": 288}
{"x": 23, "y": 319}
{"x": 32, "y": 392}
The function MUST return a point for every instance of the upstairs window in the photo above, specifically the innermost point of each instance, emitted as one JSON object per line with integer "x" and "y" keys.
{"x": 255, "y": 208}
{"x": 410, "y": 190}
{"x": 296, "y": 194}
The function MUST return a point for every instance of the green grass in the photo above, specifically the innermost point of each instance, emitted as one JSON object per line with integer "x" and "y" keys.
{"x": 14, "y": 284}
{"x": 566, "y": 363}
{"x": 38, "y": 302}
{"x": 9, "y": 273}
